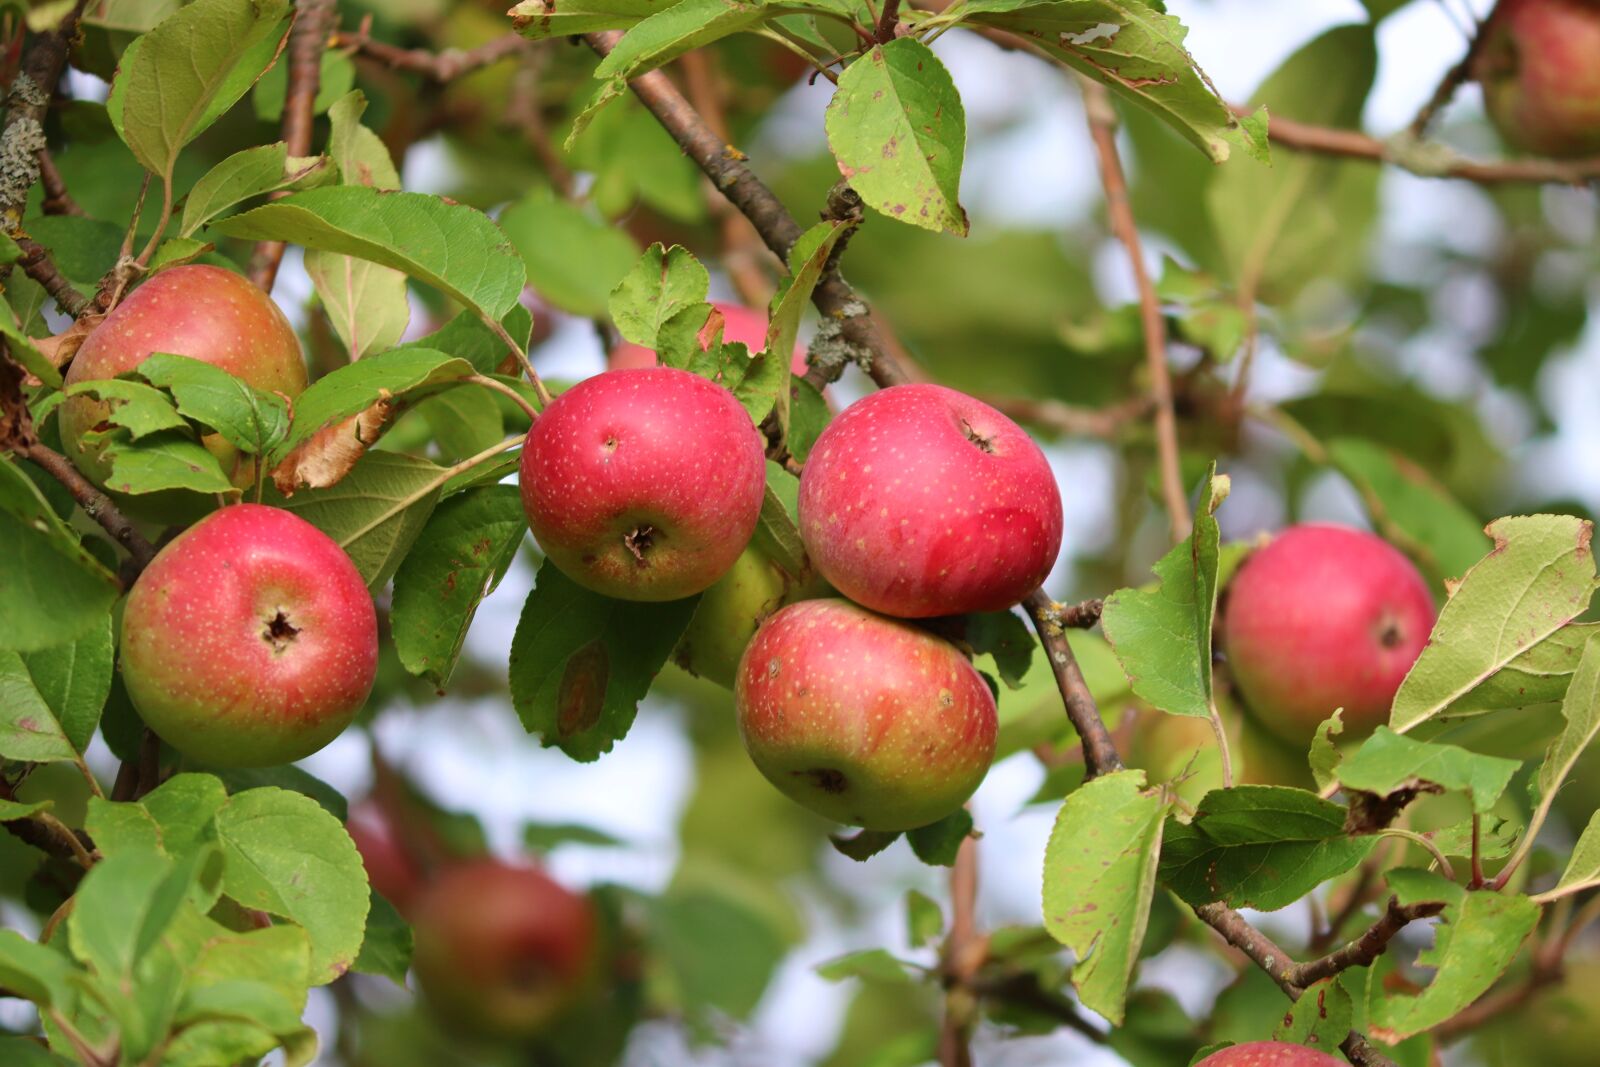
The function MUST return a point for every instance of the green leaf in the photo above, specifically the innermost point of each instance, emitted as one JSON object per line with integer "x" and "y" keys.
{"x": 22, "y": 348}
{"x": 869, "y": 965}
{"x": 360, "y": 154}
{"x": 180, "y": 77}
{"x": 367, "y": 303}
{"x": 937, "y": 843}
{"x": 26, "y": 1052}
{"x": 544, "y": 836}
{"x": 924, "y": 920}
{"x": 674, "y": 30}
{"x": 664, "y": 283}
{"x": 247, "y": 418}
{"x": 1538, "y": 577}
{"x": 1325, "y": 756}
{"x": 52, "y": 590}
{"x": 1306, "y": 216}
{"x": 286, "y": 856}
{"x": 136, "y": 407}
{"x": 126, "y": 902}
{"x": 898, "y": 131}
{"x": 1003, "y": 635}
{"x": 464, "y": 422}
{"x": 1388, "y": 762}
{"x": 459, "y": 558}
{"x": 777, "y": 533}
{"x": 37, "y": 972}
{"x": 863, "y": 844}
{"x": 248, "y": 174}
{"x": 1141, "y": 59}
{"x": 807, "y": 261}
{"x": 1320, "y": 1018}
{"x": 581, "y": 662}
{"x": 542, "y": 19}
{"x": 467, "y": 337}
{"x": 28, "y": 728}
{"x": 286, "y": 776}
{"x": 1496, "y": 838}
{"x": 1475, "y": 940}
{"x": 375, "y": 513}
{"x": 719, "y": 953}
{"x": 1162, "y": 636}
{"x": 1581, "y": 710}
{"x": 574, "y": 260}
{"x": 1583, "y": 868}
{"x": 1410, "y": 508}
{"x": 455, "y": 248}
{"x": 15, "y": 811}
{"x": 163, "y": 461}
{"x": 176, "y": 251}
{"x": 336, "y": 75}
{"x": 386, "y": 945}
{"x": 1258, "y": 846}
{"x": 1099, "y": 878}
{"x": 354, "y": 387}
{"x": 1539, "y": 675}
{"x": 75, "y": 679}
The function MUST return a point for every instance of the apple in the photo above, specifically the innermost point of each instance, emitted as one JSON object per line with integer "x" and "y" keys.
{"x": 250, "y": 640}
{"x": 739, "y": 323}
{"x": 1540, "y": 71}
{"x": 391, "y": 869}
{"x": 729, "y": 612}
{"x": 919, "y": 501}
{"x": 1323, "y": 617}
{"x": 1270, "y": 1054}
{"x": 644, "y": 484}
{"x": 864, "y": 719}
{"x": 502, "y": 948}
{"x": 199, "y": 311}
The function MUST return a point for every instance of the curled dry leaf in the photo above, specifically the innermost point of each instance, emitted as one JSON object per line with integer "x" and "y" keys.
{"x": 328, "y": 454}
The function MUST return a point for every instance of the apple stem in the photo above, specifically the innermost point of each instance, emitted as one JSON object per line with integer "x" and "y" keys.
{"x": 501, "y": 387}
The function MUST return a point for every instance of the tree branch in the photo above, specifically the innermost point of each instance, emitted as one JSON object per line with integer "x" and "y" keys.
{"x": 1103, "y": 127}
{"x": 23, "y": 135}
{"x": 1453, "y": 79}
{"x": 964, "y": 953}
{"x": 307, "y": 40}
{"x": 94, "y": 503}
{"x": 37, "y": 264}
{"x": 57, "y": 200}
{"x": 1099, "y": 751}
{"x": 888, "y": 21}
{"x": 1068, "y": 419}
{"x": 1366, "y": 948}
{"x": 846, "y": 316}
{"x": 444, "y": 66}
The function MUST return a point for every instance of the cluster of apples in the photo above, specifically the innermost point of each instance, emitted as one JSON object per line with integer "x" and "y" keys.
{"x": 646, "y": 483}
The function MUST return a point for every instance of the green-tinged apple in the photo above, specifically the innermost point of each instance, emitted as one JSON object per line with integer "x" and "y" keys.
{"x": 1323, "y": 617}
{"x": 204, "y": 312}
{"x": 1270, "y": 1054}
{"x": 1540, "y": 70}
{"x": 729, "y": 612}
{"x": 644, "y": 484}
{"x": 391, "y": 869}
{"x": 502, "y": 948}
{"x": 920, "y": 501}
{"x": 864, "y": 719}
{"x": 250, "y": 640}
{"x": 739, "y": 323}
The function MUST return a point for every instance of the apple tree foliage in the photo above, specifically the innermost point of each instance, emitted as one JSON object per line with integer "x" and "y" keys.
{"x": 1426, "y": 885}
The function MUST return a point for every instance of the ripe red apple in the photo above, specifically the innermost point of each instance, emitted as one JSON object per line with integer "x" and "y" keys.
{"x": 199, "y": 311}
{"x": 391, "y": 869}
{"x": 1323, "y": 617}
{"x": 250, "y": 640}
{"x": 730, "y": 611}
{"x": 1270, "y": 1054}
{"x": 644, "y": 484}
{"x": 1540, "y": 71}
{"x": 919, "y": 501}
{"x": 739, "y": 323}
{"x": 864, "y": 719}
{"x": 502, "y": 948}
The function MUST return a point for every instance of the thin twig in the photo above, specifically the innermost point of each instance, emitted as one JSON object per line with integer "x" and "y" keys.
{"x": 1099, "y": 751}
{"x": 37, "y": 264}
{"x": 501, "y": 387}
{"x": 888, "y": 21}
{"x": 94, "y": 503}
{"x": 963, "y": 955}
{"x": 1453, "y": 79}
{"x": 307, "y": 41}
{"x": 57, "y": 200}
{"x": 444, "y": 66}
{"x": 1107, "y": 423}
{"x": 1103, "y": 128}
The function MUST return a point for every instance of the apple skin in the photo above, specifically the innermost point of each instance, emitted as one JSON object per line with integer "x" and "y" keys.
{"x": 1320, "y": 618}
{"x": 1270, "y": 1054}
{"x": 1540, "y": 71}
{"x": 391, "y": 870}
{"x": 250, "y": 640}
{"x": 864, "y": 719}
{"x": 920, "y": 501}
{"x": 739, "y": 323}
{"x": 644, "y": 484}
{"x": 199, "y": 311}
{"x": 503, "y": 949}
{"x": 730, "y": 611}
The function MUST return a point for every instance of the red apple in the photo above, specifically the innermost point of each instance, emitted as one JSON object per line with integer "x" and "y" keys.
{"x": 203, "y": 312}
{"x": 502, "y": 948}
{"x": 864, "y": 719}
{"x": 920, "y": 501}
{"x": 1540, "y": 71}
{"x": 1323, "y": 617}
{"x": 250, "y": 640}
{"x": 644, "y": 484}
{"x": 1270, "y": 1054}
{"x": 739, "y": 323}
{"x": 391, "y": 869}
